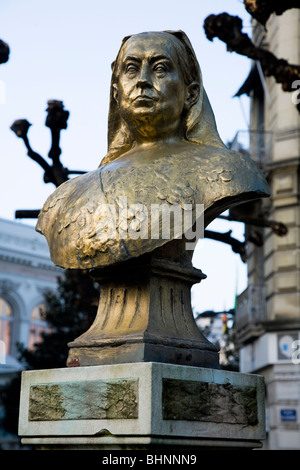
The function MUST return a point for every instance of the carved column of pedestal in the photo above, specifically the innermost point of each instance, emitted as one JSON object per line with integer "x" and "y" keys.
{"x": 145, "y": 315}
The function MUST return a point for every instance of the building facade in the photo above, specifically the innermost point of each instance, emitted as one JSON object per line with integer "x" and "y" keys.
{"x": 26, "y": 272}
{"x": 268, "y": 312}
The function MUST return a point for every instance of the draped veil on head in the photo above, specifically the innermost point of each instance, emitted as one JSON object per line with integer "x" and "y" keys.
{"x": 200, "y": 125}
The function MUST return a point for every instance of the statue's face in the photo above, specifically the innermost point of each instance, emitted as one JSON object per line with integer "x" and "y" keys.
{"x": 150, "y": 84}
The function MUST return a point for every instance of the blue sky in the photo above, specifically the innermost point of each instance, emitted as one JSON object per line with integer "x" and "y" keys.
{"x": 63, "y": 49}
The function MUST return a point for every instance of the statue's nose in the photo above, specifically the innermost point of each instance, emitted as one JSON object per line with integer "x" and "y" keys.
{"x": 144, "y": 80}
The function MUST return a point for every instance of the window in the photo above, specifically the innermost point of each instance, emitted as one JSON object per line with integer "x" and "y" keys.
{"x": 37, "y": 325}
{"x": 6, "y": 318}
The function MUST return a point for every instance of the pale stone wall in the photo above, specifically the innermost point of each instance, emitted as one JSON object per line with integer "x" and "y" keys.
{"x": 276, "y": 266}
{"x": 283, "y": 395}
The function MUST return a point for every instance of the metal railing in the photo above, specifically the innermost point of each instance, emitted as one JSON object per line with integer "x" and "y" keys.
{"x": 250, "y": 306}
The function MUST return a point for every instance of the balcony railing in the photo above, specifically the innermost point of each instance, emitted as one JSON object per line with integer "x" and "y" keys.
{"x": 255, "y": 143}
{"x": 250, "y": 308}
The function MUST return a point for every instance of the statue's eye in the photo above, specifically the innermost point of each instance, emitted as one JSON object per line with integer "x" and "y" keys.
{"x": 131, "y": 68}
{"x": 160, "y": 68}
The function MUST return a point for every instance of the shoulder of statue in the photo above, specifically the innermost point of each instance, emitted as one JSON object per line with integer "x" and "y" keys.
{"x": 195, "y": 170}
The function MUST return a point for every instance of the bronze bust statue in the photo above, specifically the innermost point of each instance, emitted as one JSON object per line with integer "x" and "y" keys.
{"x": 163, "y": 147}
{"x": 163, "y": 151}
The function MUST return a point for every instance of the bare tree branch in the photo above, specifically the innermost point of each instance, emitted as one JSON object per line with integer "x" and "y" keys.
{"x": 229, "y": 30}
{"x": 4, "y": 52}
{"x": 277, "y": 227}
{"x": 56, "y": 121}
{"x": 261, "y": 10}
{"x": 236, "y": 245}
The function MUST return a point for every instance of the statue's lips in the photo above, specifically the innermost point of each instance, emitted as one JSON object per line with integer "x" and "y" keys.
{"x": 144, "y": 99}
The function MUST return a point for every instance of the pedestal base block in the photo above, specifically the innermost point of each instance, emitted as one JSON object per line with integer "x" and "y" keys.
{"x": 145, "y": 315}
{"x": 141, "y": 406}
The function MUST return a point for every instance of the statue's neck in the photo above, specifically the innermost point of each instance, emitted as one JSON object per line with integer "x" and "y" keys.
{"x": 155, "y": 132}
{"x": 143, "y": 154}
{"x": 167, "y": 142}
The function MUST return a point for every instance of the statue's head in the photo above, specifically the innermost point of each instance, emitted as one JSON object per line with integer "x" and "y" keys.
{"x": 155, "y": 86}
{"x": 157, "y": 93}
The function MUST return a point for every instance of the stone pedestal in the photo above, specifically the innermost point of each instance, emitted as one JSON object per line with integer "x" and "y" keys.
{"x": 145, "y": 314}
{"x": 141, "y": 406}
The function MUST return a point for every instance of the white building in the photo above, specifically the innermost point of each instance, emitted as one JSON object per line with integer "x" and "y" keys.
{"x": 26, "y": 271}
{"x": 268, "y": 312}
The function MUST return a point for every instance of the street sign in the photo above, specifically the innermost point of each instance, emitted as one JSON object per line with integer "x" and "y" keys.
{"x": 288, "y": 415}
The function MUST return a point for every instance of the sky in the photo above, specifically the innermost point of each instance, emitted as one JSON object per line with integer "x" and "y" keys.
{"x": 63, "y": 50}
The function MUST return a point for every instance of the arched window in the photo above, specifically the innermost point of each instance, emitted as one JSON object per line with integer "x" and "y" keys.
{"x": 6, "y": 319}
{"x": 37, "y": 325}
